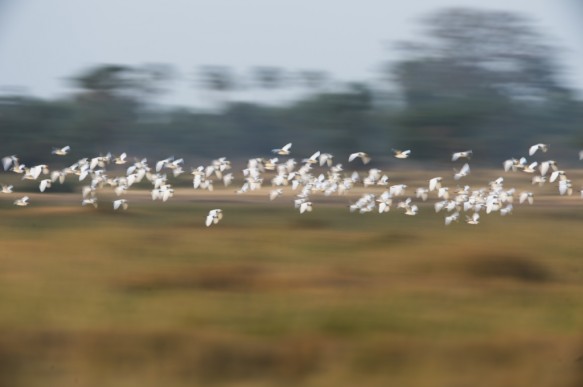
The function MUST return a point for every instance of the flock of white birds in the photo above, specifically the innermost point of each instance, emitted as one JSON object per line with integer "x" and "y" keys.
{"x": 304, "y": 180}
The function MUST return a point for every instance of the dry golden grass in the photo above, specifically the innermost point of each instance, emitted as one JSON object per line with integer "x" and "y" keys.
{"x": 268, "y": 297}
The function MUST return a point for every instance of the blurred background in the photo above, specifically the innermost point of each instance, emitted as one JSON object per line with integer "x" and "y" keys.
{"x": 223, "y": 78}
{"x": 150, "y": 297}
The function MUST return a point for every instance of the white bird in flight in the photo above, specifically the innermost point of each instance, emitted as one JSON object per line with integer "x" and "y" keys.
{"x": 9, "y": 161}
{"x": 397, "y": 189}
{"x": 545, "y": 165}
{"x": 410, "y": 209}
{"x": 565, "y": 187}
{"x": 121, "y": 159}
{"x": 506, "y": 210}
{"x": 422, "y": 193}
{"x": 61, "y": 151}
{"x": 542, "y": 147}
{"x": 275, "y": 193}
{"x": 385, "y": 202}
{"x": 401, "y": 154}
{"x": 214, "y": 216}
{"x": 526, "y": 196}
{"x": 462, "y": 172}
{"x": 531, "y": 168}
{"x": 559, "y": 174}
{"x": 514, "y": 164}
{"x": 123, "y": 203}
{"x": 34, "y": 172}
{"x": 458, "y": 155}
{"x": 21, "y": 202}
{"x": 474, "y": 219}
{"x": 44, "y": 184}
{"x": 284, "y": 150}
{"x": 435, "y": 183}
{"x": 363, "y": 156}
{"x": 162, "y": 163}
{"x": 305, "y": 207}
{"x": 452, "y": 218}
{"x": 313, "y": 159}
{"x": 326, "y": 158}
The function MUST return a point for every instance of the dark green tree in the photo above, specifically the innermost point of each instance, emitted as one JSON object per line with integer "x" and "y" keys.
{"x": 337, "y": 122}
{"x": 313, "y": 79}
{"x": 473, "y": 77}
{"x": 269, "y": 77}
{"x": 107, "y": 105}
{"x": 219, "y": 81}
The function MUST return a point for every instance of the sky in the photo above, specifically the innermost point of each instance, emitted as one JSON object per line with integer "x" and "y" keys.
{"x": 43, "y": 43}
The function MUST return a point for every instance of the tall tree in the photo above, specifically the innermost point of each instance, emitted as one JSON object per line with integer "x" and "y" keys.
{"x": 106, "y": 104}
{"x": 269, "y": 77}
{"x": 337, "y": 120}
{"x": 219, "y": 81}
{"x": 470, "y": 75}
{"x": 313, "y": 79}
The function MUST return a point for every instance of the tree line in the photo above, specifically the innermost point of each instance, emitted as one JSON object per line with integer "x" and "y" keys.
{"x": 481, "y": 80}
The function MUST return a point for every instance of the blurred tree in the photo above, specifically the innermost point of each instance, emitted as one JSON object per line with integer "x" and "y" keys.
{"x": 150, "y": 80}
{"x": 30, "y": 126}
{"x": 469, "y": 78}
{"x": 269, "y": 77}
{"x": 106, "y": 105}
{"x": 338, "y": 121}
{"x": 219, "y": 80}
{"x": 314, "y": 79}
{"x": 104, "y": 80}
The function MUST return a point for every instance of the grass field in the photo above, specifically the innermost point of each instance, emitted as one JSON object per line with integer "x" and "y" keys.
{"x": 151, "y": 297}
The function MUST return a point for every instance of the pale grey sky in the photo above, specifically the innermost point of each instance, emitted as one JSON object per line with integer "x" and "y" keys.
{"x": 42, "y": 42}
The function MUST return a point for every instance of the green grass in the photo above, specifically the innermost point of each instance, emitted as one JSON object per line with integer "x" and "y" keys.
{"x": 269, "y": 297}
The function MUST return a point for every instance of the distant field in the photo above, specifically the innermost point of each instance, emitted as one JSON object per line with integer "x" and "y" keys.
{"x": 151, "y": 297}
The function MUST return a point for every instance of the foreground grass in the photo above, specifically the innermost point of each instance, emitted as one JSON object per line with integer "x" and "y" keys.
{"x": 152, "y": 297}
